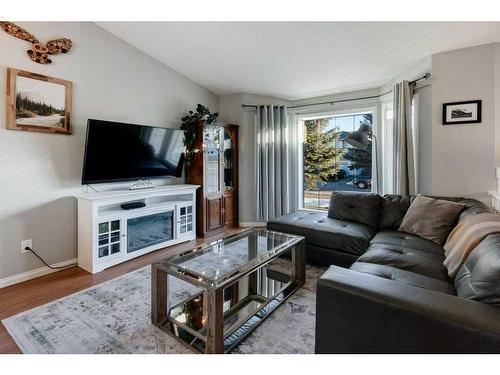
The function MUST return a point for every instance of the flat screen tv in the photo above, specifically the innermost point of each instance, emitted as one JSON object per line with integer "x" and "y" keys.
{"x": 124, "y": 152}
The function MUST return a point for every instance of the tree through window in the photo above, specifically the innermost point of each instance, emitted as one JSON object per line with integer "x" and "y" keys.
{"x": 330, "y": 164}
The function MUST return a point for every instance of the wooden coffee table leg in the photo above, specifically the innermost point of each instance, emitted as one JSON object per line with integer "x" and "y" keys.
{"x": 159, "y": 295}
{"x": 215, "y": 333}
{"x": 299, "y": 263}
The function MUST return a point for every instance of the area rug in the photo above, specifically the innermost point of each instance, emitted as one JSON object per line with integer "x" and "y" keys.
{"x": 114, "y": 317}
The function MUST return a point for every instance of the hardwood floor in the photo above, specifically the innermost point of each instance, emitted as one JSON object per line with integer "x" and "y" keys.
{"x": 29, "y": 294}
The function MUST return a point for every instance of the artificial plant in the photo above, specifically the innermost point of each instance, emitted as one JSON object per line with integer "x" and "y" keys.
{"x": 189, "y": 126}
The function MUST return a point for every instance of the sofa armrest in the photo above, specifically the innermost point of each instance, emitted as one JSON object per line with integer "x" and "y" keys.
{"x": 363, "y": 313}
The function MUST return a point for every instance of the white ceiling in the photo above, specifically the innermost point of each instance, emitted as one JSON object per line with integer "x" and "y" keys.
{"x": 294, "y": 60}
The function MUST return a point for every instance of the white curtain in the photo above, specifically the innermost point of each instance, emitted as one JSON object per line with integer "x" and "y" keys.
{"x": 276, "y": 163}
{"x": 405, "y": 149}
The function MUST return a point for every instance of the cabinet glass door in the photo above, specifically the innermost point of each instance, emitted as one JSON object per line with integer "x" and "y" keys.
{"x": 109, "y": 238}
{"x": 186, "y": 222}
{"x": 228, "y": 163}
{"x": 212, "y": 143}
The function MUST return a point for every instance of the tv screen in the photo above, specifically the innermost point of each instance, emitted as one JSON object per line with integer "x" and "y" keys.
{"x": 124, "y": 152}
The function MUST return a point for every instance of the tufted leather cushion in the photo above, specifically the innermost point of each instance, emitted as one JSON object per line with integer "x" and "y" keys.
{"x": 472, "y": 207}
{"x": 352, "y": 238}
{"x": 403, "y": 276}
{"x": 418, "y": 261}
{"x": 325, "y": 232}
{"x": 393, "y": 210}
{"x": 300, "y": 222}
{"x": 479, "y": 277}
{"x": 361, "y": 208}
{"x": 404, "y": 240}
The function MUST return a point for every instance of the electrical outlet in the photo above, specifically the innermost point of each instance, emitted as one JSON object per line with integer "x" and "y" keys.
{"x": 25, "y": 244}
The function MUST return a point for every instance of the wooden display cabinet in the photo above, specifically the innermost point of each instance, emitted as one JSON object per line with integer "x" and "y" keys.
{"x": 214, "y": 166}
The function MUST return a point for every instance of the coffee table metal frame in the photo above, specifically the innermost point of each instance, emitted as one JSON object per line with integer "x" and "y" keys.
{"x": 212, "y": 291}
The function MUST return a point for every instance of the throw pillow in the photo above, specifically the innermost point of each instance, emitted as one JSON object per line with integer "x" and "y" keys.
{"x": 432, "y": 219}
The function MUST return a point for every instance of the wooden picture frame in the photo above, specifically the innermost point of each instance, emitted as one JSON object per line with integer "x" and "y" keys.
{"x": 42, "y": 109}
{"x": 466, "y": 112}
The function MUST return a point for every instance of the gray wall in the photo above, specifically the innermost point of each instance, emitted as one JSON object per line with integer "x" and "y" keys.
{"x": 463, "y": 156}
{"x": 41, "y": 172}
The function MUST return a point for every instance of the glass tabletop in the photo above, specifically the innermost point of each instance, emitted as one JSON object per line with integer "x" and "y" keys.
{"x": 213, "y": 264}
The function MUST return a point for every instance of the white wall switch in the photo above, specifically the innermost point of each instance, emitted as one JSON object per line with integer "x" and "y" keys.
{"x": 25, "y": 244}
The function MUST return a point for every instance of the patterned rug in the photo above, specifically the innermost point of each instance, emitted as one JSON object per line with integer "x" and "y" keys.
{"x": 114, "y": 317}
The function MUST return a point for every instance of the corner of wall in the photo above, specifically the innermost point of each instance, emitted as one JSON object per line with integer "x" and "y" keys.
{"x": 230, "y": 109}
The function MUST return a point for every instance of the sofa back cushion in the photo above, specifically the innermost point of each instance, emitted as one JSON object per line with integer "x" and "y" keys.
{"x": 472, "y": 206}
{"x": 362, "y": 208}
{"x": 479, "y": 277}
{"x": 393, "y": 210}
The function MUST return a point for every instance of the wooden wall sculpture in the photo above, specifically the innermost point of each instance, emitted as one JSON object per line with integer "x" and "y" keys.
{"x": 39, "y": 52}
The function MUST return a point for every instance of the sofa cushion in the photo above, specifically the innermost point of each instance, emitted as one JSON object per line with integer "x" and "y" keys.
{"x": 417, "y": 261}
{"x": 404, "y": 240}
{"x": 300, "y": 222}
{"x": 325, "y": 232}
{"x": 361, "y": 208}
{"x": 472, "y": 206}
{"x": 350, "y": 237}
{"x": 403, "y": 276}
{"x": 320, "y": 256}
{"x": 479, "y": 277}
{"x": 393, "y": 209}
{"x": 431, "y": 218}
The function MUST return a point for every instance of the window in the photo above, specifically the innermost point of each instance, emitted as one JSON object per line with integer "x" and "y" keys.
{"x": 330, "y": 163}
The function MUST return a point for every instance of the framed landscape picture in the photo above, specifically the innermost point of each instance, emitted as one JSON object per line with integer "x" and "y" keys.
{"x": 462, "y": 112}
{"x": 38, "y": 103}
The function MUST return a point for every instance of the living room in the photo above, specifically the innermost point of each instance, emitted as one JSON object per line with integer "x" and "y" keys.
{"x": 258, "y": 186}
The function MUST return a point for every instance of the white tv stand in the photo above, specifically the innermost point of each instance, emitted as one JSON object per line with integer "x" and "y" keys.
{"x": 108, "y": 234}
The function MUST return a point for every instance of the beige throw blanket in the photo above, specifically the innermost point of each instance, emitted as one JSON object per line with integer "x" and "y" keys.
{"x": 465, "y": 237}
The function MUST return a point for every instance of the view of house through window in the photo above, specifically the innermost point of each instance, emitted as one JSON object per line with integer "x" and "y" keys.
{"x": 330, "y": 163}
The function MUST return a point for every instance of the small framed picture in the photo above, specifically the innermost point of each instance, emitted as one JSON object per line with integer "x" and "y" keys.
{"x": 462, "y": 112}
{"x": 38, "y": 103}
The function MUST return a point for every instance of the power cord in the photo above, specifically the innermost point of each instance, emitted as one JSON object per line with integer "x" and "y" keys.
{"x": 27, "y": 248}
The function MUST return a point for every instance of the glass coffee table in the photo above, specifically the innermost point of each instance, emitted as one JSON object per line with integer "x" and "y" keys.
{"x": 214, "y": 295}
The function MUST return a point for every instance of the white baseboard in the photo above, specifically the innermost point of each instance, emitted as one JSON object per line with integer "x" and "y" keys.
{"x": 249, "y": 224}
{"x": 11, "y": 280}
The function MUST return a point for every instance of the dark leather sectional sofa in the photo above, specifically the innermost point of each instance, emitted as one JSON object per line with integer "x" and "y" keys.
{"x": 387, "y": 291}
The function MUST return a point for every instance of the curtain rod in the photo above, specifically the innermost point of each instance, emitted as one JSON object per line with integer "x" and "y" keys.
{"x": 332, "y": 102}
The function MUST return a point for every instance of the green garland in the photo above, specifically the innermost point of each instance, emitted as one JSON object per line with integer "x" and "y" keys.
{"x": 189, "y": 126}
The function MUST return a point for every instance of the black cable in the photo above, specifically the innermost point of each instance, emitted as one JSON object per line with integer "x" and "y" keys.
{"x": 27, "y": 248}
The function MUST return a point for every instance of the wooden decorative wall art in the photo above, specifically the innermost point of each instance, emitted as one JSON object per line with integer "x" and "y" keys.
{"x": 39, "y": 52}
{"x": 38, "y": 103}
